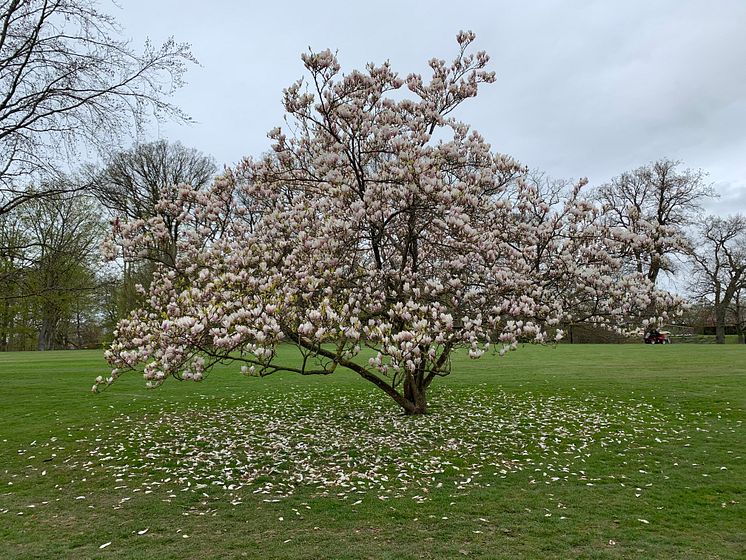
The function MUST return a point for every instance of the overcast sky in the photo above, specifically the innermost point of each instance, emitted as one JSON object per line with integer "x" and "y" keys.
{"x": 584, "y": 88}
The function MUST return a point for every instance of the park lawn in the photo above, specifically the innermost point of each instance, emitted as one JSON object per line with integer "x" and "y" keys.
{"x": 597, "y": 451}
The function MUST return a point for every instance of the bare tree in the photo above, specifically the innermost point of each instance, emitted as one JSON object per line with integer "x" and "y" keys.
{"x": 659, "y": 201}
{"x": 137, "y": 184}
{"x": 133, "y": 181}
{"x": 68, "y": 80}
{"x": 718, "y": 258}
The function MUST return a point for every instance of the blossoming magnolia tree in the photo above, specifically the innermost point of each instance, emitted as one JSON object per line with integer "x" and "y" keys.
{"x": 380, "y": 235}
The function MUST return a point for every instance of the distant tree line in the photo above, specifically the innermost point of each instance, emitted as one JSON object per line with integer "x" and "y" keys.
{"x": 57, "y": 292}
{"x": 50, "y": 286}
{"x": 55, "y": 289}
{"x": 69, "y": 82}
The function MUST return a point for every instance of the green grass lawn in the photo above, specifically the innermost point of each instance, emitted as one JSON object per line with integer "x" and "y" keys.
{"x": 627, "y": 451}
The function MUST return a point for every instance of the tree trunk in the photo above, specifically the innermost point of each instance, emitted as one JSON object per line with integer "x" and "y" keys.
{"x": 655, "y": 267}
{"x": 719, "y": 334}
{"x": 720, "y": 324}
{"x": 738, "y": 314}
{"x": 415, "y": 397}
{"x": 46, "y": 335}
{"x": 78, "y": 330}
{"x": 5, "y": 327}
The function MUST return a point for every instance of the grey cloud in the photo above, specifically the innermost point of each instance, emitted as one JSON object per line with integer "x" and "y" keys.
{"x": 585, "y": 88}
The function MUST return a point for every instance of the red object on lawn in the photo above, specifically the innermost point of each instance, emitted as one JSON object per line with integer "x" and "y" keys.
{"x": 657, "y": 337}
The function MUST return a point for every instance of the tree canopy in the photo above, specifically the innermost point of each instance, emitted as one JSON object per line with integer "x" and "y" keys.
{"x": 379, "y": 235}
{"x": 659, "y": 201}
